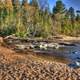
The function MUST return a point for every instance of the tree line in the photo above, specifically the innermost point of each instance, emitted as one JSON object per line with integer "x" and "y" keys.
{"x": 67, "y": 21}
{"x": 34, "y": 19}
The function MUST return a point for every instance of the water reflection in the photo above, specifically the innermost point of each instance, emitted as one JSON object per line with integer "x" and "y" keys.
{"x": 70, "y": 54}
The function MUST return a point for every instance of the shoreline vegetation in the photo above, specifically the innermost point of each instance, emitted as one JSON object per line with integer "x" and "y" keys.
{"x": 34, "y": 19}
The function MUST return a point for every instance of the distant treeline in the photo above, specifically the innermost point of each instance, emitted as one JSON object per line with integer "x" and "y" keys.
{"x": 35, "y": 20}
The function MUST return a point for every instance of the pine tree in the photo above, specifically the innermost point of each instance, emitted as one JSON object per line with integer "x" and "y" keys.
{"x": 59, "y": 8}
{"x": 78, "y": 15}
{"x": 71, "y": 13}
{"x": 59, "y": 11}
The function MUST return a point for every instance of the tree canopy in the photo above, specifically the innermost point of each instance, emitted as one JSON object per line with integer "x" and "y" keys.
{"x": 34, "y": 19}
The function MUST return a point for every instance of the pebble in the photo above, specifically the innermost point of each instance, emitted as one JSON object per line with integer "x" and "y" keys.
{"x": 34, "y": 70}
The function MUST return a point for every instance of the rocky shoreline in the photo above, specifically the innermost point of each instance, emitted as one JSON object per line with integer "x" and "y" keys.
{"x": 15, "y": 66}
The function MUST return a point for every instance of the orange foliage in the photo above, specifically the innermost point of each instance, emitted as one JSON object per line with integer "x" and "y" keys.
{"x": 30, "y": 9}
{"x": 9, "y": 5}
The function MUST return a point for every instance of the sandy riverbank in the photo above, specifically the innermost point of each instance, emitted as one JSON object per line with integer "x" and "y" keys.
{"x": 69, "y": 38}
{"x": 15, "y": 66}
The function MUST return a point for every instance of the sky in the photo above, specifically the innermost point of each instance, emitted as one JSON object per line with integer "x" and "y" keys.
{"x": 51, "y": 3}
{"x": 68, "y": 3}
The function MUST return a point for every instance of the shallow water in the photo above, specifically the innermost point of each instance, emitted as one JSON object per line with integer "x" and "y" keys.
{"x": 66, "y": 53}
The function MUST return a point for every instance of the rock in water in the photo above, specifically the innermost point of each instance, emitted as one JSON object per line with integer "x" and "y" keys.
{"x": 20, "y": 47}
{"x": 77, "y": 63}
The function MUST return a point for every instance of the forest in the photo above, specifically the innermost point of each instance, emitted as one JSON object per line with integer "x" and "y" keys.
{"x": 35, "y": 19}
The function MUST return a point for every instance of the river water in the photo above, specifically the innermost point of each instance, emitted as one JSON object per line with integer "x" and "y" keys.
{"x": 67, "y": 53}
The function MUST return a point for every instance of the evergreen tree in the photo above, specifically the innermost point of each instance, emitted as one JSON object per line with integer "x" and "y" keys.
{"x": 71, "y": 13}
{"x": 59, "y": 11}
{"x": 78, "y": 15}
{"x": 59, "y": 8}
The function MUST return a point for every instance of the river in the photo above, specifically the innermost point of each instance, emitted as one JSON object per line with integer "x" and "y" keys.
{"x": 67, "y": 53}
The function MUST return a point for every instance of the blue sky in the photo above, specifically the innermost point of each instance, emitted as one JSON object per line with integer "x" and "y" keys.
{"x": 72, "y": 3}
{"x": 68, "y": 3}
{"x": 51, "y": 3}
